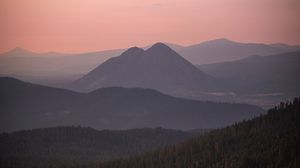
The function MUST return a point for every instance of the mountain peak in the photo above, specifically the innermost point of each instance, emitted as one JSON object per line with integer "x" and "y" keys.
{"x": 160, "y": 46}
{"x": 160, "y": 49}
{"x": 19, "y": 50}
{"x": 222, "y": 40}
{"x": 133, "y": 51}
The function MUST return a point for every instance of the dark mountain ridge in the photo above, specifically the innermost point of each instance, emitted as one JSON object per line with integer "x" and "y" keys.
{"x": 26, "y": 106}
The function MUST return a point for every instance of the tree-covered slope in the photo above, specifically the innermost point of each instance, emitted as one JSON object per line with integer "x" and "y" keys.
{"x": 67, "y": 146}
{"x": 271, "y": 140}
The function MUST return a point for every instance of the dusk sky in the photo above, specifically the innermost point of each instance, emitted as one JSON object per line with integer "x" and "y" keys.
{"x": 92, "y": 25}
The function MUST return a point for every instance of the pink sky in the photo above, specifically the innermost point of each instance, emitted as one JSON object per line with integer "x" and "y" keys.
{"x": 90, "y": 25}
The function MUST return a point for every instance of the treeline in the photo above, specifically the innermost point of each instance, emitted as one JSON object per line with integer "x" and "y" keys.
{"x": 269, "y": 141}
{"x": 79, "y": 146}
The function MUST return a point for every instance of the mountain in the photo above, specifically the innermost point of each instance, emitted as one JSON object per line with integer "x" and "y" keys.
{"x": 274, "y": 77}
{"x": 27, "y": 106}
{"x": 277, "y": 69}
{"x": 221, "y": 50}
{"x": 271, "y": 140}
{"x": 59, "y": 146}
{"x": 173, "y": 46}
{"x": 158, "y": 67}
{"x": 285, "y": 46}
{"x": 18, "y": 52}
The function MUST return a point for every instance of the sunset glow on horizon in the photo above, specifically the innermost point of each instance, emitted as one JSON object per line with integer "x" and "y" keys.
{"x": 91, "y": 25}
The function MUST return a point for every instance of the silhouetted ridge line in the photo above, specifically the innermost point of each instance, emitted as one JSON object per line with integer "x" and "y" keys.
{"x": 27, "y": 106}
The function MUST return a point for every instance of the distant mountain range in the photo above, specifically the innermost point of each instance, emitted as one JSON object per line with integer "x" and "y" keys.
{"x": 59, "y": 69}
{"x": 160, "y": 67}
{"x": 52, "y": 69}
{"x": 26, "y": 106}
{"x": 221, "y": 50}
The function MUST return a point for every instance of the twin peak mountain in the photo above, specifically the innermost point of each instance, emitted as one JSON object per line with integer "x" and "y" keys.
{"x": 158, "y": 67}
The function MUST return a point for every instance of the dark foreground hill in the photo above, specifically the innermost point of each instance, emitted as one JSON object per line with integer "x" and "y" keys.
{"x": 271, "y": 140}
{"x": 67, "y": 146}
{"x": 27, "y": 106}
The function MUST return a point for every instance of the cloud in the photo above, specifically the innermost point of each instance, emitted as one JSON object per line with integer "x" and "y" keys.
{"x": 157, "y": 4}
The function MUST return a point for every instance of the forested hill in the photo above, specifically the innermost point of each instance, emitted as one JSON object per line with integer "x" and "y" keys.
{"x": 69, "y": 146}
{"x": 271, "y": 140}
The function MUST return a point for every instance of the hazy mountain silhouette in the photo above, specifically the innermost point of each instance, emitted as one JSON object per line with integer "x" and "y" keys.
{"x": 221, "y": 50}
{"x": 50, "y": 68}
{"x": 26, "y": 106}
{"x": 18, "y": 51}
{"x": 275, "y": 73}
{"x": 158, "y": 67}
{"x": 286, "y": 47}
